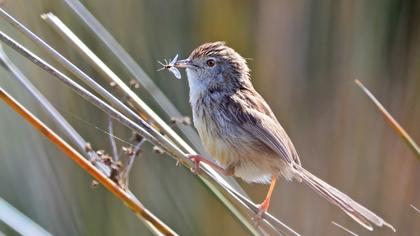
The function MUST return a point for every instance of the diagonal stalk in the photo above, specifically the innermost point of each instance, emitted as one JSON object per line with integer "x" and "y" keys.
{"x": 19, "y": 222}
{"x": 60, "y": 121}
{"x": 143, "y": 129}
{"x": 138, "y": 104}
{"x": 135, "y": 70}
{"x": 152, "y": 134}
{"x": 391, "y": 121}
{"x": 131, "y": 203}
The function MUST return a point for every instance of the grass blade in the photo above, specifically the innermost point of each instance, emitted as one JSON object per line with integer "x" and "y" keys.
{"x": 135, "y": 70}
{"x": 415, "y": 208}
{"x": 143, "y": 129}
{"x": 391, "y": 121}
{"x": 18, "y": 221}
{"x": 49, "y": 109}
{"x": 126, "y": 198}
{"x": 344, "y": 228}
{"x": 94, "y": 60}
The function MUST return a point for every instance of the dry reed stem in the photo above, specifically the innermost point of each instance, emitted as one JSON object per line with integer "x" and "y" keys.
{"x": 391, "y": 121}
{"x": 60, "y": 121}
{"x": 415, "y": 208}
{"x": 135, "y": 206}
{"x": 19, "y": 222}
{"x": 94, "y": 60}
{"x": 344, "y": 228}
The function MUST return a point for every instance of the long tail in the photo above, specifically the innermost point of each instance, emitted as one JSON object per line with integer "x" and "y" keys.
{"x": 356, "y": 211}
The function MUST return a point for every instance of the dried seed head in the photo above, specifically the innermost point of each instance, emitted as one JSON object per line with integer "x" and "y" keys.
{"x": 100, "y": 152}
{"x": 118, "y": 164}
{"x": 114, "y": 175}
{"x": 93, "y": 160}
{"x": 88, "y": 147}
{"x": 186, "y": 120}
{"x": 158, "y": 150}
{"x": 127, "y": 150}
{"x": 94, "y": 184}
{"x": 181, "y": 120}
{"x": 107, "y": 160}
{"x": 138, "y": 138}
{"x": 134, "y": 83}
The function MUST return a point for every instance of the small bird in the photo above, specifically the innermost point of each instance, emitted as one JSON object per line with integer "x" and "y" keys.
{"x": 239, "y": 130}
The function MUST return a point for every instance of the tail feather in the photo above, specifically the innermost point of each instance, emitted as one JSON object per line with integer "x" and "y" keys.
{"x": 359, "y": 213}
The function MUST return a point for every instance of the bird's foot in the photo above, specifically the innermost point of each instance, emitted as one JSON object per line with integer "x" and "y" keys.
{"x": 196, "y": 158}
{"x": 262, "y": 209}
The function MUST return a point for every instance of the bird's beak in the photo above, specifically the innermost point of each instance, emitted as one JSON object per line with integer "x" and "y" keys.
{"x": 186, "y": 63}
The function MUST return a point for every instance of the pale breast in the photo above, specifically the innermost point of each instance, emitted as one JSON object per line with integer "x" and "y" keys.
{"x": 212, "y": 139}
{"x": 232, "y": 146}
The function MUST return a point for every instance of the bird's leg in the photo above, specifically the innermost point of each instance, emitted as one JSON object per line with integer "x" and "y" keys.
{"x": 266, "y": 203}
{"x": 196, "y": 158}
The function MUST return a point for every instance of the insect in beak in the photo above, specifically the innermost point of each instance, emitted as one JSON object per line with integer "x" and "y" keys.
{"x": 171, "y": 67}
{"x": 174, "y": 64}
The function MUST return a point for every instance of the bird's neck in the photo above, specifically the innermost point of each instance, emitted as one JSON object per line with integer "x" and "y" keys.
{"x": 197, "y": 88}
{"x": 200, "y": 88}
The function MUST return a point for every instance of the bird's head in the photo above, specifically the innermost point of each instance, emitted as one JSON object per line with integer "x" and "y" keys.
{"x": 214, "y": 66}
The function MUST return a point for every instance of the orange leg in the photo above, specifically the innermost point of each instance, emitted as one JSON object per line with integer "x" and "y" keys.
{"x": 199, "y": 158}
{"x": 266, "y": 203}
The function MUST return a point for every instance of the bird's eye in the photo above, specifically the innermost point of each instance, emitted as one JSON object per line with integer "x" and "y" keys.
{"x": 210, "y": 62}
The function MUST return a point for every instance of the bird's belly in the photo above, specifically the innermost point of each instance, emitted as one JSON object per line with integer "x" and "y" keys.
{"x": 219, "y": 149}
{"x": 250, "y": 161}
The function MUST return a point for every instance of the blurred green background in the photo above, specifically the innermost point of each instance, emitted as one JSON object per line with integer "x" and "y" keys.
{"x": 304, "y": 56}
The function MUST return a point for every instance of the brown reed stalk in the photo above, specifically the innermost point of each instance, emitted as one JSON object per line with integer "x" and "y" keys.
{"x": 391, "y": 121}
{"x": 134, "y": 205}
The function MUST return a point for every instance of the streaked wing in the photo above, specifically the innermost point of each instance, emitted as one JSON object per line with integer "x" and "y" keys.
{"x": 258, "y": 120}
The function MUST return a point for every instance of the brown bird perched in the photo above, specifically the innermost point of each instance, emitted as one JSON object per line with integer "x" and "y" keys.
{"x": 239, "y": 130}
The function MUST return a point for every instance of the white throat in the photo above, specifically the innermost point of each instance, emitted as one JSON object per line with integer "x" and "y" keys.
{"x": 197, "y": 85}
